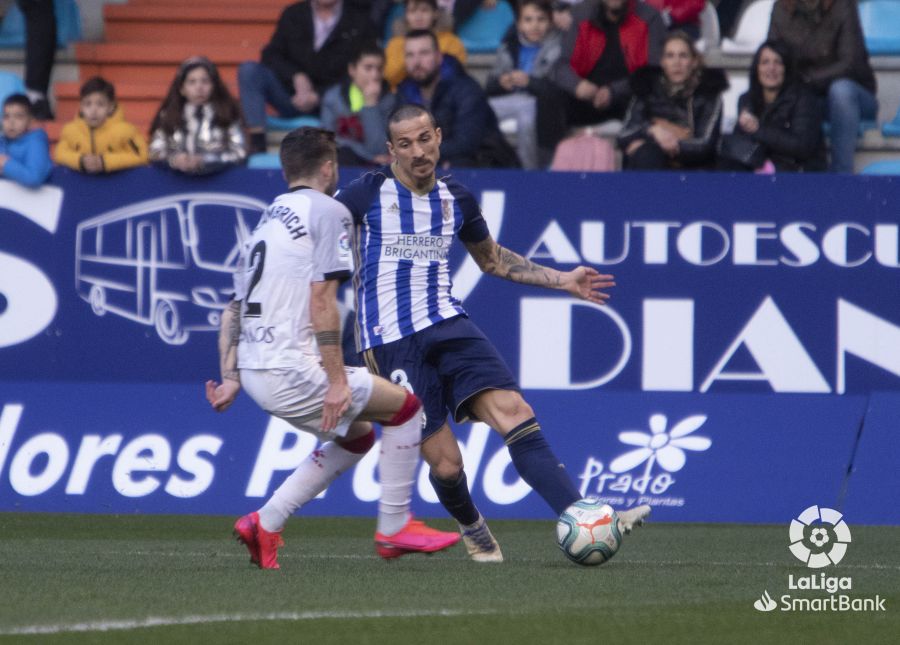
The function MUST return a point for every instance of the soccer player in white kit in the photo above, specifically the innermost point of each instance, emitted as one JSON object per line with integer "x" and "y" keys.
{"x": 280, "y": 340}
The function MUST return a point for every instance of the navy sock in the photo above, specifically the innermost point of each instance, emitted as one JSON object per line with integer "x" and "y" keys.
{"x": 455, "y": 497}
{"x": 539, "y": 467}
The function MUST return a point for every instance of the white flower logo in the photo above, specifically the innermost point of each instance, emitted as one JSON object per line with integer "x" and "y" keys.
{"x": 666, "y": 448}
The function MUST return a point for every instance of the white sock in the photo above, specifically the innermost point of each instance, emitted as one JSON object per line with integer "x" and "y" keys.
{"x": 313, "y": 476}
{"x": 396, "y": 472}
{"x": 34, "y": 96}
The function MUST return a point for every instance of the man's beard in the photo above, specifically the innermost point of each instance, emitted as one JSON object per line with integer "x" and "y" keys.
{"x": 428, "y": 79}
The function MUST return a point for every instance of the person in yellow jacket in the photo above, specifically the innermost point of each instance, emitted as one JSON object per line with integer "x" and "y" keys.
{"x": 99, "y": 139}
{"x": 419, "y": 14}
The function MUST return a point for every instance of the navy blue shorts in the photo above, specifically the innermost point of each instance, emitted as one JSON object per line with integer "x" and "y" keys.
{"x": 444, "y": 365}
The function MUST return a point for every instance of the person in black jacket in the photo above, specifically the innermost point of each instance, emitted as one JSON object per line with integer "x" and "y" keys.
{"x": 471, "y": 136}
{"x": 779, "y": 119}
{"x": 675, "y": 116}
{"x": 309, "y": 52}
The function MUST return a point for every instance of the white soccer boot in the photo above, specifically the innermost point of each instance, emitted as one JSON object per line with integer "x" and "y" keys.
{"x": 480, "y": 542}
{"x": 632, "y": 517}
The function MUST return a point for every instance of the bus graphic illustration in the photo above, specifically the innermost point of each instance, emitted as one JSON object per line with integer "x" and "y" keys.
{"x": 165, "y": 262}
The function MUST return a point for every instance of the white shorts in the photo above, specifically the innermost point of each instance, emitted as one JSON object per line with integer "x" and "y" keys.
{"x": 297, "y": 394}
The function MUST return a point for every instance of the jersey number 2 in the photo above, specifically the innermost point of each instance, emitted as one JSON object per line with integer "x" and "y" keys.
{"x": 257, "y": 261}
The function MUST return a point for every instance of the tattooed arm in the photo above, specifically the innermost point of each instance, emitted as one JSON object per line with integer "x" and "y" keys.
{"x": 326, "y": 323}
{"x": 221, "y": 396}
{"x": 582, "y": 282}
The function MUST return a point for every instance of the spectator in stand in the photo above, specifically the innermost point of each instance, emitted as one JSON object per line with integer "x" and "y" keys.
{"x": 308, "y": 53}
{"x": 825, "y": 40}
{"x": 40, "y": 53}
{"x": 357, "y": 110}
{"x": 24, "y": 153}
{"x": 468, "y": 126}
{"x": 607, "y": 42}
{"x": 680, "y": 15}
{"x": 99, "y": 139}
{"x": 676, "y": 114}
{"x": 523, "y": 62}
{"x": 198, "y": 127}
{"x": 419, "y": 14}
{"x": 779, "y": 124}
{"x": 562, "y": 14}
{"x": 453, "y": 12}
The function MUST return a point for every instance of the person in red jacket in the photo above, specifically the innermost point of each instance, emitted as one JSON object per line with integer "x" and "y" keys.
{"x": 680, "y": 15}
{"x": 607, "y": 42}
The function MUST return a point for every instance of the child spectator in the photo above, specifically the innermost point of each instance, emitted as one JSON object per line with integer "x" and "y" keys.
{"x": 24, "y": 153}
{"x": 562, "y": 14}
{"x": 420, "y": 14}
{"x": 198, "y": 127}
{"x": 357, "y": 110}
{"x": 524, "y": 60}
{"x": 99, "y": 139}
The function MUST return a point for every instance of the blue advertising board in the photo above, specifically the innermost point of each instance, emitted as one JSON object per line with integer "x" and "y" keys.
{"x": 747, "y": 366}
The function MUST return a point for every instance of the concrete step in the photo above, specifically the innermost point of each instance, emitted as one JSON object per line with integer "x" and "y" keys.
{"x": 244, "y": 25}
{"x": 137, "y": 62}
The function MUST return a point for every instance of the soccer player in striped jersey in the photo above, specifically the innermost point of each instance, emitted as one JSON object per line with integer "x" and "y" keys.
{"x": 280, "y": 339}
{"x": 413, "y": 331}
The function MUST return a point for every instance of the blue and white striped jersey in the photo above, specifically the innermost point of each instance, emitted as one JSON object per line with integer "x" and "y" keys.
{"x": 401, "y": 248}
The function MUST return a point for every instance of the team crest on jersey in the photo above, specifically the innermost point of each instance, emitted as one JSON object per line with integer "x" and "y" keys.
{"x": 344, "y": 245}
{"x": 446, "y": 209}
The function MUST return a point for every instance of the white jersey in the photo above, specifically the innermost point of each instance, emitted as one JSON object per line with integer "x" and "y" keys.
{"x": 303, "y": 237}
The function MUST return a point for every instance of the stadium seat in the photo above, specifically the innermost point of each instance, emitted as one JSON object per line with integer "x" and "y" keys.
{"x": 264, "y": 161}
{"x": 752, "y": 29}
{"x": 10, "y": 84}
{"x": 483, "y": 32}
{"x": 888, "y": 167}
{"x": 892, "y": 128}
{"x": 281, "y": 123}
{"x": 68, "y": 25}
{"x": 710, "y": 35}
{"x": 881, "y": 26}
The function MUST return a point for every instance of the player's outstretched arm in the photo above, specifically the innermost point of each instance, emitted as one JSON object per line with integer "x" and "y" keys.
{"x": 221, "y": 396}
{"x": 582, "y": 282}
{"x": 326, "y": 322}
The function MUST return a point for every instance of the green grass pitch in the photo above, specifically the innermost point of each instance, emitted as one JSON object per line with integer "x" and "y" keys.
{"x": 181, "y": 579}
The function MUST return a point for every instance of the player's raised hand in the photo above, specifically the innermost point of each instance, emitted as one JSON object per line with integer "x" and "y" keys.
{"x": 337, "y": 401}
{"x": 588, "y": 284}
{"x": 221, "y": 396}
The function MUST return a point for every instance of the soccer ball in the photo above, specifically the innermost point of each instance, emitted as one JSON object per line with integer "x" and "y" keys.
{"x": 588, "y": 532}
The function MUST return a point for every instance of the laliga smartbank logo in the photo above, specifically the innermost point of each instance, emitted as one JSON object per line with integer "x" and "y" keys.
{"x": 819, "y": 538}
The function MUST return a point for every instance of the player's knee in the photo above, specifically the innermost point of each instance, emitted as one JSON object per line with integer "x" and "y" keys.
{"x": 359, "y": 439}
{"x": 408, "y": 409}
{"x": 444, "y": 464}
{"x": 446, "y": 470}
